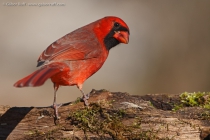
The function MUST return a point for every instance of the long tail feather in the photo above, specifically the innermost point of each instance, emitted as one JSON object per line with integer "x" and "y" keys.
{"x": 37, "y": 78}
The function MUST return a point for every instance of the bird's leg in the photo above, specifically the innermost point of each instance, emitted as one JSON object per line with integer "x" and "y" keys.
{"x": 56, "y": 106}
{"x": 85, "y": 97}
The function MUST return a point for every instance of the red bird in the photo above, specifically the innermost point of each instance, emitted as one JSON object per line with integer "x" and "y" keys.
{"x": 78, "y": 55}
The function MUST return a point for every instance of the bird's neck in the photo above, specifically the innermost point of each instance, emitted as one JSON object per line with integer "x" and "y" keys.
{"x": 110, "y": 42}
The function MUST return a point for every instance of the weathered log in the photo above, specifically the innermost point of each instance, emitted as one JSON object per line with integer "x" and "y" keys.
{"x": 111, "y": 115}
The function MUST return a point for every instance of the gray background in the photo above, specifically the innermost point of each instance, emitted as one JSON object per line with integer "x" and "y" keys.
{"x": 168, "y": 50}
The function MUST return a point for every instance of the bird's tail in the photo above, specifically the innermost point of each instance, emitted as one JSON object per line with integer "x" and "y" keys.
{"x": 38, "y": 77}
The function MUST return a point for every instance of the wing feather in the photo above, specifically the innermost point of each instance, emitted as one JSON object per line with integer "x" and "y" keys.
{"x": 78, "y": 45}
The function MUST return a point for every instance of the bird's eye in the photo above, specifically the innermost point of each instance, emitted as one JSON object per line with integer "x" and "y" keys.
{"x": 116, "y": 24}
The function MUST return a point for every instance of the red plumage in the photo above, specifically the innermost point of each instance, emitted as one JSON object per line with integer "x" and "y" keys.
{"x": 76, "y": 56}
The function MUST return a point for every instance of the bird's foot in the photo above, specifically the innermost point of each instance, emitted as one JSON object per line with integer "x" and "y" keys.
{"x": 85, "y": 99}
{"x": 55, "y": 107}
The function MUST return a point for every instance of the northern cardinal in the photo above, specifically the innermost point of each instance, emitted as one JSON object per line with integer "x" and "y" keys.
{"x": 78, "y": 55}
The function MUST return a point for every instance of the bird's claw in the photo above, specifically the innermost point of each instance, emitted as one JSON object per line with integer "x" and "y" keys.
{"x": 85, "y": 99}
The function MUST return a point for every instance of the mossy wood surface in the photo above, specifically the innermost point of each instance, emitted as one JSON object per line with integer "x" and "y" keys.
{"x": 111, "y": 115}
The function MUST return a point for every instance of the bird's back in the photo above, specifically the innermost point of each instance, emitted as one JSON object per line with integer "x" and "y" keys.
{"x": 80, "y": 44}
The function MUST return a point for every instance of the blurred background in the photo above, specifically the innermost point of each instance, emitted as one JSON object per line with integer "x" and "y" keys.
{"x": 168, "y": 50}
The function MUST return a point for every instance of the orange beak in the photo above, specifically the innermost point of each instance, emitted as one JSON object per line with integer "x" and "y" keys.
{"x": 122, "y": 36}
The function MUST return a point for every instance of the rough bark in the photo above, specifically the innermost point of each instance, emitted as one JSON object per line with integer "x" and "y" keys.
{"x": 118, "y": 115}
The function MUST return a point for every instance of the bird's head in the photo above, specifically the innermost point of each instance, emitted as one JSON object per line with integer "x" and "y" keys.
{"x": 113, "y": 30}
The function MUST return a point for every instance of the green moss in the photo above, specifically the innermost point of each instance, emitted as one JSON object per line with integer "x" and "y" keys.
{"x": 192, "y": 99}
{"x": 102, "y": 122}
{"x": 200, "y": 99}
{"x": 77, "y": 100}
{"x": 150, "y": 103}
{"x": 207, "y": 106}
{"x": 177, "y": 107}
{"x": 205, "y": 115}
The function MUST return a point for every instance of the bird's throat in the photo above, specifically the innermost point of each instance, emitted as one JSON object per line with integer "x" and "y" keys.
{"x": 110, "y": 42}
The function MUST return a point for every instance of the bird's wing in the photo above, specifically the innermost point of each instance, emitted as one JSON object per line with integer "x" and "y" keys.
{"x": 80, "y": 44}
